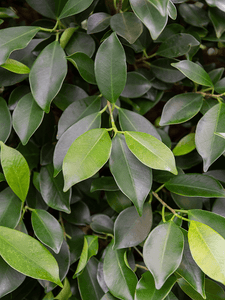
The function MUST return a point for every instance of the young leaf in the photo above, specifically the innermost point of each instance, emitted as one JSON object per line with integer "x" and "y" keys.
{"x": 195, "y": 185}
{"x": 14, "y": 38}
{"x": 16, "y": 171}
{"x": 47, "y": 229}
{"x": 28, "y": 256}
{"x": 110, "y": 68}
{"x": 86, "y": 156}
{"x": 27, "y": 117}
{"x": 73, "y": 8}
{"x": 146, "y": 289}
{"x": 163, "y": 251}
{"x": 194, "y": 72}
{"x": 150, "y": 151}
{"x": 47, "y": 75}
{"x": 15, "y": 67}
{"x": 185, "y": 145}
{"x": 5, "y": 121}
{"x": 207, "y": 249}
{"x": 181, "y": 108}
{"x": 206, "y": 139}
{"x": 131, "y": 229}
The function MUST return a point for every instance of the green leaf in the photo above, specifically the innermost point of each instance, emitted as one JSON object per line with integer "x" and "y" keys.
{"x": 5, "y": 121}
{"x": 81, "y": 42}
{"x": 108, "y": 296}
{"x": 84, "y": 65}
{"x": 177, "y": 45}
{"x": 136, "y": 85}
{"x": 16, "y": 171}
{"x": 221, "y": 134}
{"x": 118, "y": 201}
{"x": 70, "y": 135}
{"x": 181, "y": 108}
{"x": 73, "y": 8}
{"x": 49, "y": 9}
{"x": 171, "y": 296}
{"x": 150, "y": 151}
{"x": 132, "y": 177}
{"x": 98, "y": 22}
{"x": 131, "y": 121}
{"x": 219, "y": 3}
{"x": 10, "y": 279}
{"x": 47, "y": 75}
{"x": 163, "y": 251}
{"x": 146, "y": 289}
{"x": 219, "y": 86}
{"x": 150, "y": 16}
{"x": 47, "y": 229}
{"x": 120, "y": 279}
{"x": 160, "y": 5}
{"x": 171, "y": 10}
{"x": 216, "y": 75}
{"x": 127, "y": 25}
{"x": 80, "y": 214}
{"x": 86, "y": 156}
{"x": 102, "y": 224}
{"x": 27, "y": 117}
{"x": 14, "y": 38}
{"x": 194, "y": 15}
{"x": 52, "y": 190}
{"x": 2, "y": 177}
{"x": 185, "y": 145}
{"x": 207, "y": 249}
{"x": 88, "y": 284}
{"x": 206, "y": 139}
{"x": 189, "y": 270}
{"x": 104, "y": 183}
{"x": 194, "y": 72}
{"x": 195, "y": 185}
{"x": 65, "y": 293}
{"x": 10, "y": 208}
{"x": 185, "y": 202}
{"x": 7, "y": 13}
{"x": 110, "y": 68}
{"x": 130, "y": 229}
{"x": 15, "y": 66}
{"x": 217, "y": 18}
{"x": 28, "y": 256}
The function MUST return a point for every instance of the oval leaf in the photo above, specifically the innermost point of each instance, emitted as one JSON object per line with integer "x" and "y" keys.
{"x": 185, "y": 145}
{"x": 98, "y": 22}
{"x": 74, "y": 7}
{"x": 136, "y": 85}
{"x": 5, "y": 121}
{"x": 160, "y": 5}
{"x": 15, "y": 67}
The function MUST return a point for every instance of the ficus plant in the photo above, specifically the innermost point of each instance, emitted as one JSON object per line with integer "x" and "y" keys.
{"x": 112, "y": 138}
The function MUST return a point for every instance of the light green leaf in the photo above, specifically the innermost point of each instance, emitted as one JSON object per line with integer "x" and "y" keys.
{"x": 65, "y": 293}
{"x": 150, "y": 151}
{"x": 86, "y": 156}
{"x": 47, "y": 75}
{"x": 5, "y": 121}
{"x": 207, "y": 249}
{"x": 163, "y": 251}
{"x": 16, "y": 171}
{"x": 74, "y": 7}
{"x": 185, "y": 145}
{"x": 221, "y": 134}
{"x": 194, "y": 72}
{"x": 28, "y": 256}
{"x": 110, "y": 68}
{"x": 15, "y": 66}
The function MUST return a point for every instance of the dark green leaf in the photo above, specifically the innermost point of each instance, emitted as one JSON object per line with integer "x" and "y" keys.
{"x": 216, "y": 74}
{"x": 7, "y": 13}
{"x": 118, "y": 201}
{"x": 73, "y": 8}
{"x": 102, "y": 224}
{"x": 76, "y": 242}
{"x": 87, "y": 154}
{"x": 181, "y": 108}
{"x": 80, "y": 214}
{"x": 27, "y": 117}
{"x": 50, "y": 9}
{"x": 104, "y": 183}
{"x": 131, "y": 229}
{"x": 194, "y": 72}
{"x": 219, "y": 207}
{"x": 163, "y": 251}
{"x": 146, "y": 289}
{"x": 127, "y": 25}
{"x": 217, "y": 18}
{"x": 136, "y": 85}
{"x": 16, "y": 95}
{"x": 219, "y": 86}
{"x": 110, "y": 68}
{"x": 185, "y": 202}
{"x": 171, "y": 296}
{"x": 31, "y": 153}
{"x": 132, "y": 177}
{"x": 5, "y": 121}
{"x": 194, "y": 15}
{"x": 81, "y": 42}
{"x": 27, "y": 255}
{"x": 98, "y": 22}
{"x": 52, "y": 190}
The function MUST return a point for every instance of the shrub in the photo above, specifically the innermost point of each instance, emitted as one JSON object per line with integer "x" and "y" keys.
{"x": 112, "y": 137}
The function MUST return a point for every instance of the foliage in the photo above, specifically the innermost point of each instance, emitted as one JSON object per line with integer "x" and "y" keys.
{"x": 112, "y": 137}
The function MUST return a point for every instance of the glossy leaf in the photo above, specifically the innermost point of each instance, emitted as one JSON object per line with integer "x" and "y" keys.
{"x": 28, "y": 256}
{"x": 85, "y": 66}
{"x": 104, "y": 183}
{"x": 146, "y": 289}
{"x": 193, "y": 15}
{"x": 80, "y": 214}
{"x": 102, "y": 224}
{"x": 219, "y": 86}
{"x": 108, "y": 296}
{"x": 5, "y": 121}
{"x": 171, "y": 10}
{"x": 15, "y": 38}
{"x": 181, "y": 108}
{"x": 118, "y": 201}
{"x": 16, "y": 171}
{"x": 50, "y": 9}
{"x": 81, "y": 42}
{"x": 185, "y": 145}
{"x": 110, "y": 68}
{"x": 132, "y": 177}
{"x": 150, "y": 16}
{"x": 217, "y": 18}
{"x": 72, "y": 8}
{"x": 207, "y": 249}
{"x": 27, "y": 117}
{"x": 195, "y": 185}
{"x": 47, "y": 229}
{"x": 150, "y": 151}
{"x": 136, "y": 85}
{"x": 205, "y": 137}
{"x": 130, "y": 229}
{"x": 120, "y": 279}
{"x": 86, "y": 156}
{"x": 44, "y": 85}
{"x": 127, "y": 25}
{"x": 160, "y": 5}
{"x": 15, "y": 66}
{"x": 163, "y": 251}
{"x": 65, "y": 293}
{"x": 98, "y": 22}
{"x": 194, "y": 72}
{"x": 219, "y": 3}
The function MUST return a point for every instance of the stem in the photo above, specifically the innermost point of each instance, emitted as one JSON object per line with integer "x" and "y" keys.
{"x": 50, "y": 30}
{"x": 119, "y": 6}
{"x": 104, "y": 109}
{"x": 141, "y": 267}
{"x": 138, "y": 251}
{"x": 62, "y": 224}
{"x": 163, "y": 214}
{"x": 162, "y": 186}
{"x": 211, "y": 95}
{"x": 111, "y": 116}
